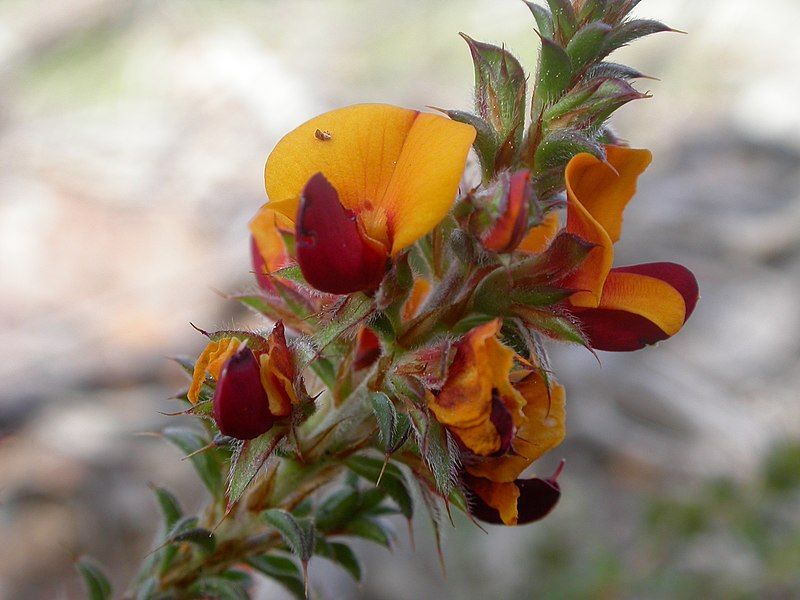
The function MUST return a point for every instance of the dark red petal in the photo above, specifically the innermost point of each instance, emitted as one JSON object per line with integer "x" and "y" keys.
{"x": 333, "y": 255}
{"x": 241, "y": 408}
{"x": 620, "y": 331}
{"x": 503, "y": 421}
{"x": 617, "y": 330}
{"x": 678, "y": 276}
{"x": 368, "y": 349}
{"x": 537, "y": 498}
{"x": 259, "y": 267}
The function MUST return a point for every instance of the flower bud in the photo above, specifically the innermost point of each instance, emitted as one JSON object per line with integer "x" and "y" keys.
{"x": 240, "y": 405}
{"x": 501, "y": 218}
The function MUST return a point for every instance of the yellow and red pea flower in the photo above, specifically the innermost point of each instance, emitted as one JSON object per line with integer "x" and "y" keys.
{"x": 255, "y": 381}
{"x": 503, "y": 421}
{"x": 623, "y": 308}
{"x": 349, "y": 183}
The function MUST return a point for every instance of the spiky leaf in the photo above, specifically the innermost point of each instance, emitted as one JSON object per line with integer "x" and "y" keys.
{"x": 282, "y": 570}
{"x": 204, "y": 462}
{"x": 97, "y": 585}
{"x": 298, "y": 534}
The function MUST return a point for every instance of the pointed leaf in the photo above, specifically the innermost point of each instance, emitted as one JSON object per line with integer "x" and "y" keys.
{"x": 560, "y": 147}
{"x": 587, "y": 44}
{"x": 202, "y": 538}
{"x": 337, "y": 509}
{"x": 564, "y": 18}
{"x": 297, "y": 533}
{"x": 341, "y": 554}
{"x": 95, "y": 581}
{"x": 629, "y": 31}
{"x": 386, "y": 416}
{"x": 555, "y": 72}
{"x": 170, "y": 508}
{"x": 219, "y": 588}
{"x": 544, "y": 20}
{"x": 205, "y": 462}
{"x": 248, "y": 460}
{"x": 370, "y": 529}
{"x": 282, "y": 570}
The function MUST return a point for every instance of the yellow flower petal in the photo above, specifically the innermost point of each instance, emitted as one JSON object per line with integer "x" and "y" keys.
{"x": 398, "y": 169}
{"x": 211, "y": 361}
{"x": 539, "y": 237}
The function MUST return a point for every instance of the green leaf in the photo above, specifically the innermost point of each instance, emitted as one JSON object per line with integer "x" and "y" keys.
{"x": 202, "y": 538}
{"x": 560, "y": 147}
{"x": 97, "y": 585}
{"x": 544, "y": 20}
{"x": 587, "y": 44}
{"x": 186, "y": 363}
{"x": 629, "y": 31}
{"x": 487, "y": 141}
{"x": 282, "y": 570}
{"x": 248, "y": 460}
{"x": 555, "y": 72}
{"x": 170, "y": 508}
{"x": 561, "y": 258}
{"x": 592, "y": 10}
{"x": 500, "y": 85}
{"x": 341, "y": 554}
{"x": 391, "y": 479}
{"x": 219, "y": 588}
{"x": 337, "y": 509}
{"x": 370, "y": 529}
{"x": 564, "y": 18}
{"x": 437, "y": 450}
{"x": 540, "y": 295}
{"x": 298, "y": 534}
{"x": 386, "y": 416}
{"x": 357, "y": 309}
{"x": 610, "y": 70}
{"x": 555, "y": 326}
{"x": 205, "y": 463}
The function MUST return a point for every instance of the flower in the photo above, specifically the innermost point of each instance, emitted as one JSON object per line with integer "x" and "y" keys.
{"x": 504, "y": 421}
{"x": 357, "y": 185}
{"x": 255, "y": 386}
{"x": 502, "y": 219}
{"x": 623, "y": 308}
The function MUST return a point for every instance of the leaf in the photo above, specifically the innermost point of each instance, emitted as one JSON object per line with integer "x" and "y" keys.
{"x": 205, "y": 463}
{"x": 558, "y": 148}
{"x": 356, "y": 310}
{"x": 337, "y": 509}
{"x": 592, "y": 10}
{"x": 219, "y": 588}
{"x": 632, "y": 30}
{"x": 341, "y": 554}
{"x": 555, "y": 326}
{"x": 487, "y": 141}
{"x": 186, "y": 363}
{"x": 370, "y": 529}
{"x": 544, "y": 20}
{"x": 555, "y": 72}
{"x": 97, "y": 585}
{"x": 438, "y": 451}
{"x": 386, "y": 416}
{"x": 200, "y": 537}
{"x": 392, "y": 480}
{"x": 587, "y": 44}
{"x": 282, "y": 570}
{"x": 170, "y": 508}
{"x": 500, "y": 84}
{"x": 298, "y": 534}
{"x": 248, "y": 460}
{"x": 561, "y": 258}
{"x": 610, "y": 70}
{"x": 564, "y": 18}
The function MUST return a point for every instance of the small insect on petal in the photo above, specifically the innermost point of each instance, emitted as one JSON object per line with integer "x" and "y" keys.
{"x": 322, "y": 136}
{"x": 240, "y": 405}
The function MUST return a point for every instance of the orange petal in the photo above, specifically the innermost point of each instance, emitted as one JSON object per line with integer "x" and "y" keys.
{"x": 641, "y": 305}
{"x": 500, "y": 496}
{"x": 211, "y": 361}
{"x": 268, "y": 228}
{"x": 418, "y": 294}
{"x": 597, "y": 194}
{"x": 539, "y": 237}
{"x": 541, "y": 430}
{"x": 383, "y": 161}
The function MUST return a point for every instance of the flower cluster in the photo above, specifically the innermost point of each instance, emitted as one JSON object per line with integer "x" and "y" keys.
{"x": 413, "y": 297}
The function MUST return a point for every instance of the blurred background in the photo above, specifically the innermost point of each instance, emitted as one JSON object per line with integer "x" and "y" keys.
{"x": 133, "y": 135}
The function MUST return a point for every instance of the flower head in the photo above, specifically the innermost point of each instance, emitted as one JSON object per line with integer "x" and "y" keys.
{"x": 358, "y": 185}
{"x": 254, "y": 381}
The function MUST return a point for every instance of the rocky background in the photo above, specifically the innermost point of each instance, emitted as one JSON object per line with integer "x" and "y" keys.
{"x": 132, "y": 140}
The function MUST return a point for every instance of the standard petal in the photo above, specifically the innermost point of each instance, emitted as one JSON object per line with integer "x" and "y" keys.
{"x": 597, "y": 194}
{"x": 425, "y": 181}
{"x": 641, "y": 305}
{"x": 398, "y": 169}
{"x": 333, "y": 253}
